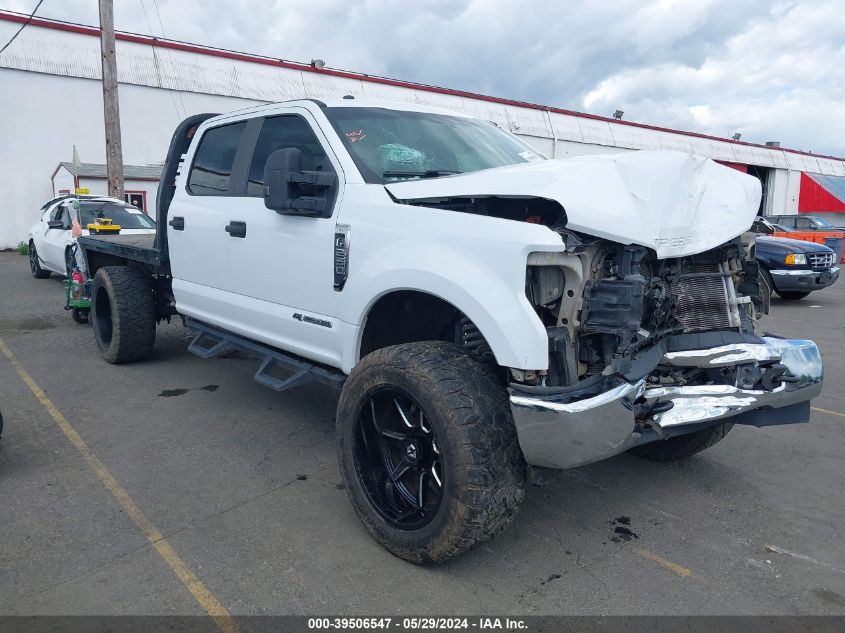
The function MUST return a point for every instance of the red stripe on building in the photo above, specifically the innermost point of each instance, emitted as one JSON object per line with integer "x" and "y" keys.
{"x": 813, "y": 198}
{"x": 738, "y": 166}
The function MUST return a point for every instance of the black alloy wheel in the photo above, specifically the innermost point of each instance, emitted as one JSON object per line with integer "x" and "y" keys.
{"x": 398, "y": 460}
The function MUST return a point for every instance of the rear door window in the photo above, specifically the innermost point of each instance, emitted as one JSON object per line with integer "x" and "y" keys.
{"x": 212, "y": 167}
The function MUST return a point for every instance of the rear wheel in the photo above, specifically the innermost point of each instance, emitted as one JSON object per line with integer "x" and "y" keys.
{"x": 683, "y": 446}
{"x": 792, "y": 295}
{"x": 428, "y": 450}
{"x": 123, "y": 312}
{"x": 70, "y": 262}
{"x": 35, "y": 264}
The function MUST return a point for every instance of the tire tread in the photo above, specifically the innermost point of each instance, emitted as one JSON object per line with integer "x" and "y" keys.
{"x": 477, "y": 405}
{"x": 132, "y": 310}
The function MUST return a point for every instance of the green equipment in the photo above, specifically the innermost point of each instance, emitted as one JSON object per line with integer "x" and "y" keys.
{"x": 77, "y": 293}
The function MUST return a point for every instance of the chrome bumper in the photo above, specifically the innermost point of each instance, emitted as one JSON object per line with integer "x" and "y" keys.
{"x": 804, "y": 279}
{"x": 564, "y": 435}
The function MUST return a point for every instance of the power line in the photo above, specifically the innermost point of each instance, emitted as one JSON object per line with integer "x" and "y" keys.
{"x": 172, "y": 65}
{"x": 158, "y": 64}
{"x": 28, "y": 20}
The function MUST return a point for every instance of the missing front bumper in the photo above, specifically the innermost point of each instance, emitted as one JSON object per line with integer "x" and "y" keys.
{"x": 556, "y": 433}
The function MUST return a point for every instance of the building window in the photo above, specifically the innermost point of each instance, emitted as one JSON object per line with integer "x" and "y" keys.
{"x": 136, "y": 199}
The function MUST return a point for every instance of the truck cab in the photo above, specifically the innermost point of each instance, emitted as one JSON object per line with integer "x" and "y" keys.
{"x": 255, "y": 281}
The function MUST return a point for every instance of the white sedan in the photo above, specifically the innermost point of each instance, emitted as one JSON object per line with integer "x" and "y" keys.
{"x": 50, "y": 241}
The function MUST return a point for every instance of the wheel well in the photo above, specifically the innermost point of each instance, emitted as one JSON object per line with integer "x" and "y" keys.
{"x": 408, "y": 316}
{"x": 99, "y": 260}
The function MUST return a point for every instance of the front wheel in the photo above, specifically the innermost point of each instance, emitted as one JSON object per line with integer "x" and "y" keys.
{"x": 35, "y": 263}
{"x": 792, "y": 295}
{"x": 428, "y": 450}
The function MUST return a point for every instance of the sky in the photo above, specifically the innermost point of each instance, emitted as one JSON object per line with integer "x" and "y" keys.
{"x": 772, "y": 71}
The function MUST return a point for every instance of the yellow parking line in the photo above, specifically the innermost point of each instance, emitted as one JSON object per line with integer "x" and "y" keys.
{"x": 683, "y": 572}
{"x": 829, "y": 412}
{"x": 200, "y": 592}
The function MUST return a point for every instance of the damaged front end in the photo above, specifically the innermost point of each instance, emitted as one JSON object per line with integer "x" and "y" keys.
{"x": 642, "y": 349}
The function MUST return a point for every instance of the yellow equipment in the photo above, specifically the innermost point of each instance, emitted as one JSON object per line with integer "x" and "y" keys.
{"x": 103, "y": 226}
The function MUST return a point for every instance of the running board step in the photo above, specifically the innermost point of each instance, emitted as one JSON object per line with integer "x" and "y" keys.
{"x": 211, "y": 342}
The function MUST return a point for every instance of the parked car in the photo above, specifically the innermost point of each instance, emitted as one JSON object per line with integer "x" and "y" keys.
{"x": 50, "y": 239}
{"x": 765, "y": 226}
{"x": 803, "y": 222}
{"x": 488, "y": 315}
{"x": 795, "y": 268}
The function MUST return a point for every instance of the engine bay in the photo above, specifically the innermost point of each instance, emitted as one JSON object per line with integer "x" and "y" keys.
{"x": 608, "y": 307}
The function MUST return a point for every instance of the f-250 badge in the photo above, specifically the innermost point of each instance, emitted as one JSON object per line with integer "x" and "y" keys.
{"x": 309, "y": 319}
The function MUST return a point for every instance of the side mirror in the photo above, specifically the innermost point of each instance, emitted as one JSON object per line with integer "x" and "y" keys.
{"x": 55, "y": 224}
{"x": 759, "y": 226}
{"x": 290, "y": 191}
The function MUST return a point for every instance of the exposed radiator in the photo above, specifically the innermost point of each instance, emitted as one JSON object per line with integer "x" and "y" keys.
{"x": 706, "y": 300}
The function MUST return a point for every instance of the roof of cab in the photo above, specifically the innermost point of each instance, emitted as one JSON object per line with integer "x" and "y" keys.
{"x": 319, "y": 104}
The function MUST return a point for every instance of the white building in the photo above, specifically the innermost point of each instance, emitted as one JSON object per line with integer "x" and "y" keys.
{"x": 51, "y": 100}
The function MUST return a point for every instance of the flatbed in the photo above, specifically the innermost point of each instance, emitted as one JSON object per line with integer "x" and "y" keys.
{"x": 139, "y": 248}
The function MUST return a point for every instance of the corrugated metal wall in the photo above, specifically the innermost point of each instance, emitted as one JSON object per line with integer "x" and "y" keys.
{"x": 74, "y": 54}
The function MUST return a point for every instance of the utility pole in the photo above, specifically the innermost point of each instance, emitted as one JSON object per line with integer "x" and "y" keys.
{"x": 111, "y": 110}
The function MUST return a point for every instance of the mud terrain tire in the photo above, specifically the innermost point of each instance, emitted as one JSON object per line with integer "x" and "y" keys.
{"x": 683, "y": 446}
{"x": 123, "y": 314}
{"x": 483, "y": 472}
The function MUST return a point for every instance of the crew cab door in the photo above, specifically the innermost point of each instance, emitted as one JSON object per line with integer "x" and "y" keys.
{"x": 246, "y": 268}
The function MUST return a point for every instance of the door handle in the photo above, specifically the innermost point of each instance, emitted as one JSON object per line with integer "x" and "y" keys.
{"x": 177, "y": 223}
{"x": 236, "y": 228}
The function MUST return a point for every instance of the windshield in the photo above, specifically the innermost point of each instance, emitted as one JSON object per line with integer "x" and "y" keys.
{"x": 823, "y": 222}
{"x": 390, "y": 145}
{"x": 125, "y": 215}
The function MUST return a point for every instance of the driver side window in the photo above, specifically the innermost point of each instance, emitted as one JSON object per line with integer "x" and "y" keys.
{"x": 283, "y": 132}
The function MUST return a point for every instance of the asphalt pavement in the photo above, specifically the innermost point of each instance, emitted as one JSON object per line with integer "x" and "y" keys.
{"x": 242, "y": 485}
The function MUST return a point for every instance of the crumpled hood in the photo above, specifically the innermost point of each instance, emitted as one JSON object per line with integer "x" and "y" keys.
{"x": 676, "y": 203}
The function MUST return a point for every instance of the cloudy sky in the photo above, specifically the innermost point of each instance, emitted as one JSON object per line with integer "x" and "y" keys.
{"x": 769, "y": 70}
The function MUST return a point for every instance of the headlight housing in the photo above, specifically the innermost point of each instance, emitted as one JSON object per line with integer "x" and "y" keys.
{"x": 796, "y": 259}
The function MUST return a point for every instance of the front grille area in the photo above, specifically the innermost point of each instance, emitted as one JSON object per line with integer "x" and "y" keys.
{"x": 820, "y": 260}
{"x": 702, "y": 301}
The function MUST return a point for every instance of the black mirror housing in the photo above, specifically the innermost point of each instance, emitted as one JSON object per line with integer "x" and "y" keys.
{"x": 280, "y": 164}
{"x": 55, "y": 224}
{"x": 290, "y": 191}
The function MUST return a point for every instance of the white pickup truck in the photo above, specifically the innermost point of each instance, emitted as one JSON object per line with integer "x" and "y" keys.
{"x": 488, "y": 315}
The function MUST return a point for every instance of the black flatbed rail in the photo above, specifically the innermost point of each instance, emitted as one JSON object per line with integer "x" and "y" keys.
{"x": 149, "y": 250}
{"x": 136, "y": 248}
